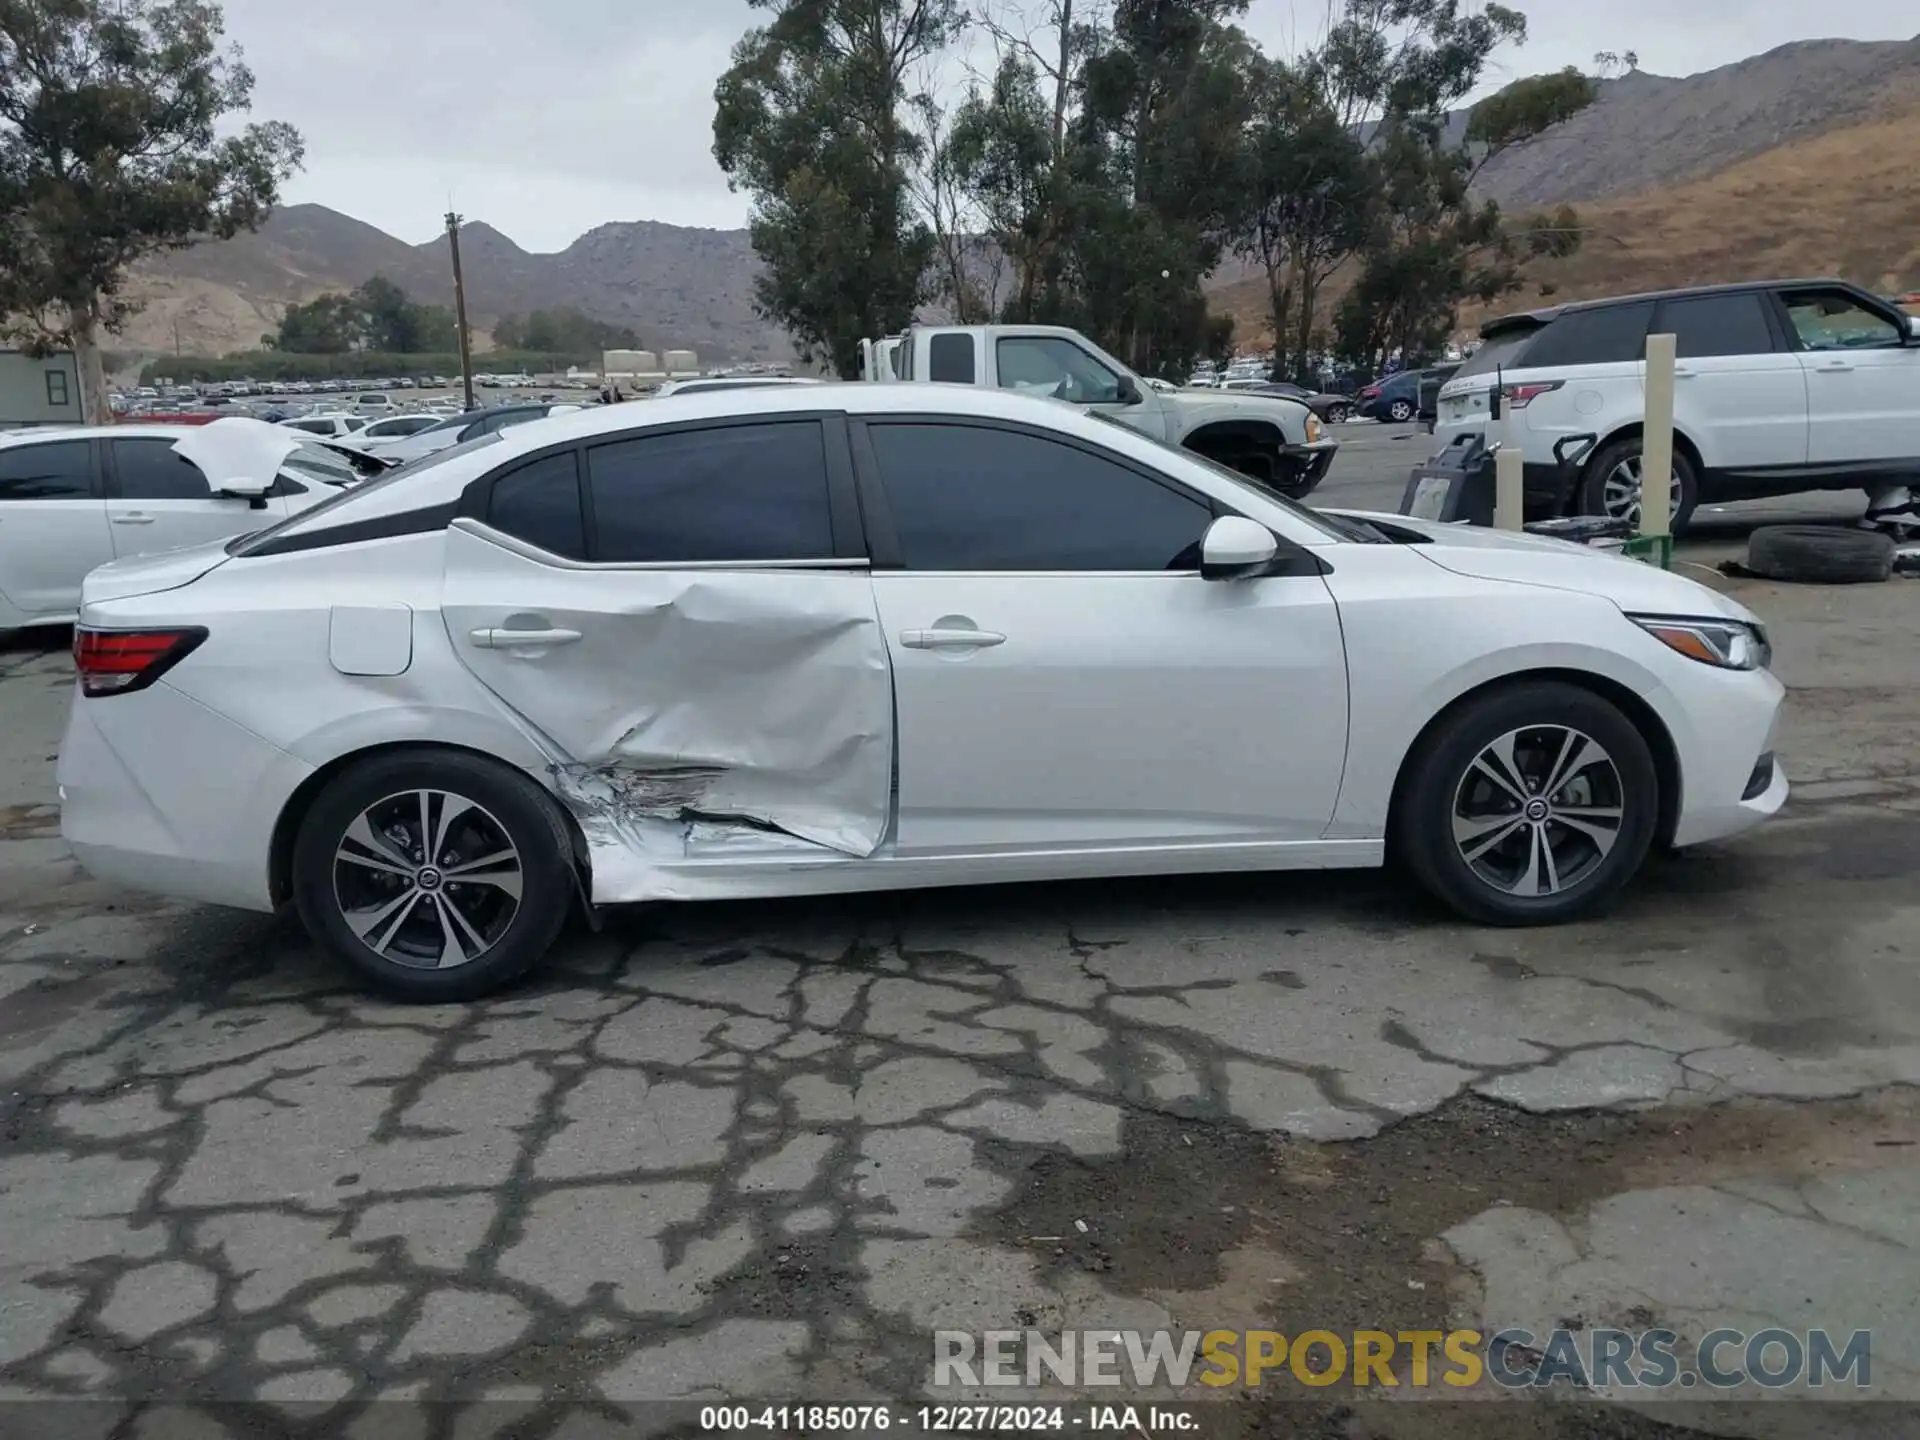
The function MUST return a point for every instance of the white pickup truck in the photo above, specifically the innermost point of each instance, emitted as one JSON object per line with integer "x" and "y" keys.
{"x": 1268, "y": 438}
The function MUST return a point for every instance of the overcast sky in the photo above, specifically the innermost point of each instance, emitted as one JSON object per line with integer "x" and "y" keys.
{"x": 547, "y": 120}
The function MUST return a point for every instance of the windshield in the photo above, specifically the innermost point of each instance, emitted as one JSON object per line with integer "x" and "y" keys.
{"x": 246, "y": 544}
{"x": 1268, "y": 493}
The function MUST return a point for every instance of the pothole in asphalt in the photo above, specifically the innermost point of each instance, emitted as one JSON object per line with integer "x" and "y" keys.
{"x": 1227, "y": 1229}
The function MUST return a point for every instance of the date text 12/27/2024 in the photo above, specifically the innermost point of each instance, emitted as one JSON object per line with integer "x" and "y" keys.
{"x": 948, "y": 1419}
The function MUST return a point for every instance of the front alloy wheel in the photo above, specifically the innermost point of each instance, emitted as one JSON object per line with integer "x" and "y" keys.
{"x": 1527, "y": 804}
{"x": 1538, "y": 811}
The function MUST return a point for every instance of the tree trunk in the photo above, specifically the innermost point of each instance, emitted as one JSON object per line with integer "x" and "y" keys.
{"x": 94, "y": 409}
{"x": 1060, "y": 84}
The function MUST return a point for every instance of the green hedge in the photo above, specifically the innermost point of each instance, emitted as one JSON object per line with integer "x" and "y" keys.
{"x": 277, "y": 365}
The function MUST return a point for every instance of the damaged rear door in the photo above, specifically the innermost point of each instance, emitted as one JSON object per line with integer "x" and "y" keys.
{"x": 684, "y": 614}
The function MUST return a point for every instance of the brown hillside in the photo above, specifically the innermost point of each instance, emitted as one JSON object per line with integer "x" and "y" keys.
{"x": 1842, "y": 204}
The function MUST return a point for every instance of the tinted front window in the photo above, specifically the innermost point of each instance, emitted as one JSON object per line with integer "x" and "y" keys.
{"x": 62, "y": 470}
{"x": 1607, "y": 336}
{"x": 744, "y": 492}
{"x": 540, "y": 504}
{"x": 1717, "y": 325}
{"x": 972, "y": 498}
{"x": 950, "y": 358}
{"x": 154, "y": 470}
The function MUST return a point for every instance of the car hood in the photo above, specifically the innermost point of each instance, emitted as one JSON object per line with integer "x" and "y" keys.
{"x": 238, "y": 451}
{"x": 1488, "y": 554}
{"x": 151, "y": 574}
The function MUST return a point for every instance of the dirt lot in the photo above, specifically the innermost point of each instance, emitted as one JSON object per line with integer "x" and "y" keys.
{"x": 765, "y": 1150}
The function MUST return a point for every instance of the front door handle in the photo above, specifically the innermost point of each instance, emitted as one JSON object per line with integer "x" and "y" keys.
{"x": 1834, "y": 367}
{"x": 494, "y": 639}
{"x": 951, "y": 639}
{"x": 133, "y": 519}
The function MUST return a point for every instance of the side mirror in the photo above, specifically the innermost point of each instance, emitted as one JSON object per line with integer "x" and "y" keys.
{"x": 1129, "y": 391}
{"x": 1236, "y": 548}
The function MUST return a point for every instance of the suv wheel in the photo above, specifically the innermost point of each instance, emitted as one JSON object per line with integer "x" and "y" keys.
{"x": 1611, "y": 486}
{"x": 1400, "y": 411}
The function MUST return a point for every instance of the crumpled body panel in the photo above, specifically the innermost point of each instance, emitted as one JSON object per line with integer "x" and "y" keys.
{"x": 758, "y": 697}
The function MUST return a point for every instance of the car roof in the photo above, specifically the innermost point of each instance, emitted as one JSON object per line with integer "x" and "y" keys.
{"x": 1548, "y": 314}
{"x": 43, "y": 434}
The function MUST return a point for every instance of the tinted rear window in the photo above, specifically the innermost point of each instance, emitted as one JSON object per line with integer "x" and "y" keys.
{"x": 62, "y": 470}
{"x": 1718, "y": 325}
{"x": 1496, "y": 351}
{"x": 1610, "y": 335}
{"x": 745, "y": 492}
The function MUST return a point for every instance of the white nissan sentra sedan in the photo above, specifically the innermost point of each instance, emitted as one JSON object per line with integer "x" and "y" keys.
{"x": 831, "y": 638}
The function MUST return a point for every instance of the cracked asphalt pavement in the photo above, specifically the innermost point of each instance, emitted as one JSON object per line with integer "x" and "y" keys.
{"x": 764, "y": 1150}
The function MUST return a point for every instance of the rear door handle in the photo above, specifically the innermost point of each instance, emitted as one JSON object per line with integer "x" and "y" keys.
{"x": 134, "y": 518}
{"x": 493, "y": 639}
{"x": 951, "y": 639}
{"x": 1834, "y": 367}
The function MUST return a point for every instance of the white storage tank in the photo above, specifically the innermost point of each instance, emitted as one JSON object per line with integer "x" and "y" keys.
{"x": 682, "y": 362}
{"x": 630, "y": 362}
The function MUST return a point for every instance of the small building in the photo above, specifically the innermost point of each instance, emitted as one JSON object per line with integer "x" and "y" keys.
{"x": 43, "y": 391}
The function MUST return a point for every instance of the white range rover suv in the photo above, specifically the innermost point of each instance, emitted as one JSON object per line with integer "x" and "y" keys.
{"x": 1781, "y": 386}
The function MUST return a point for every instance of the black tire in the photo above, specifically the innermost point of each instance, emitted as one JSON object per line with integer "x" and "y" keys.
{"x": 502, "y": 803}
{"x": 1338, "y": 414}
{"x": 1443, "y": 780}
{"x": 1591, "y": 496}
{"x": 1820, "y": 555}
{"x": 1400, "y": 411}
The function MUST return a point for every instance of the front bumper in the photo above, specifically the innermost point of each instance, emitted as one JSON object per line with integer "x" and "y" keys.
{"x": 1308, "y": 464}
{"x": 1730, "y": 780}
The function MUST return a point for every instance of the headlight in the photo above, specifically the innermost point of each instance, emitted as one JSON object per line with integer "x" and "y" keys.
{"x": 1313, "y": 429}
{"x": 1728, "y": 644}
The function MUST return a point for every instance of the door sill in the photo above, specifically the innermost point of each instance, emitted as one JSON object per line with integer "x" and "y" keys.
{"x": 746, "y": 865}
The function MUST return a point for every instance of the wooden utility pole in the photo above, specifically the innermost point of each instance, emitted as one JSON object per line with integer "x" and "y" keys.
{"x": 460, "y": 308}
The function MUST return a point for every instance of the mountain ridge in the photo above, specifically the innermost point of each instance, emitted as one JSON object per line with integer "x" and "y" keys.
{"x": 1647, "y": 136}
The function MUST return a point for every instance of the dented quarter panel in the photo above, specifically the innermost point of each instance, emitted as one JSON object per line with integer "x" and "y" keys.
{"x": 758, "y": 701}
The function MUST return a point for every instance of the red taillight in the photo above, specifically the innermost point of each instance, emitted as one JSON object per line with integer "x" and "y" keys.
{"x": 1372, "y": 392}
{"x": 1519, "y": 396}
{"x": 113, "y": 662}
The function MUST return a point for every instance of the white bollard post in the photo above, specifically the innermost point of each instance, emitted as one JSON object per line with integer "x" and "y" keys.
{"x": 1509, "y": 487}
{"x": 1656, "y": 447}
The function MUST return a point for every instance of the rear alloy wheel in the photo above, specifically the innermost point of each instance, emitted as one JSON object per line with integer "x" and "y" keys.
{"x": 1612, "y": 484}
{"x": 1337, "y": 414}
{"x": 1530, "y": 806}
{"x": 1400, "y": 411}
{"x": 437, "y": 875}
